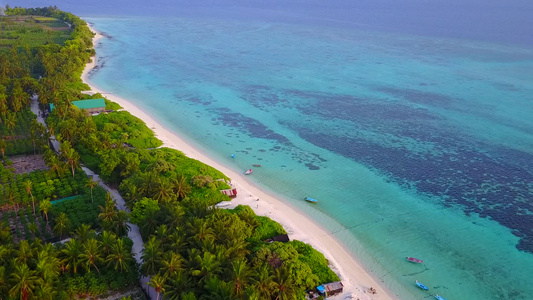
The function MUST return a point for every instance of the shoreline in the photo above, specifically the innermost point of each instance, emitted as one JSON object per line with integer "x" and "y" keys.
{"x": 355, "y": 278}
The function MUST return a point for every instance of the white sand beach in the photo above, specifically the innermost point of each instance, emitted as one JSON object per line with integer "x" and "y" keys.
{"x": 355, "y": 279}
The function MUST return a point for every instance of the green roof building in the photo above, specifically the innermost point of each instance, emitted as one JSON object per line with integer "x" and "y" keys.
{"x": 91, "y": 105}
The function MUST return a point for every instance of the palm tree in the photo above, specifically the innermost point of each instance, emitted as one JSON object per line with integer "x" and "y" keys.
{"x": 3, "y": 147}
{"x": 73, "y": 159}
{"x": 121, "y": 223}
{"x": 10, "y": 120}
{"x": 56, "y": 165}
{"x": 108, "y": 214}
{"x": 130, "y": 165}
{"x": 236, "y": 247}
{"x": 132, "y": 194}
{"x": 24, "y": 254}
{"x": 5, "y": 234}
{"x": 88, "y": 126}
{"x": 28, "y": 185}
{"x": 284, "y": 288}
{"x": 201, "y": 230}
{"x": 149, "y": 183}
{"x": 84, "y": 233}
{"x": 72, "y": 255}
{"x": 5, "y": 254}
{"x": 47, "y": 266}
{"x": 24, "y": 281}
{"x": 3, "y": 101}
{"x": 3, "y": 283}
{"x": 165, "y": 191}
{"x": 18, "y": 97}
{"x": 62, "y": 223}
{"x": 175, "y": 215}
{"x": 107, "y": 240}
{"x": 157, "y": 282}
{"x": 151, "y": 257}
{"x": 91, "y": 184}
{"x": 10, "y": 195}
{"x": 33, "y": 137}
{"x": 162, "y": 234}
{"x": 171, "y": 264}
{"x": 181, "y": 187}
{"x": 240, "y": 274}
{"x": 150, "y": 223}
{"x": 176, "y": 286}
{"x": 46, "y": 291}
{"x": 44, "y": 206}
{"x": 32, "y": 226}
{"x": 218, "y": 289}
{"x": 175, "y": 242}
{"x": 51, "y": 131}
{"x": 91, "y": 255}
{"x": 207, "y": 266}
{"x": 119, "y": 257}
{"x": 264, "y": 282}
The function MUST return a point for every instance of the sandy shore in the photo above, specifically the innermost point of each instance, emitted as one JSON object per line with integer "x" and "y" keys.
{"x": 355, "y": 279}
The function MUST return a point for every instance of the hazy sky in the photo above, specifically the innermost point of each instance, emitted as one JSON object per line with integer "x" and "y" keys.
{"x": 495, "y": 20}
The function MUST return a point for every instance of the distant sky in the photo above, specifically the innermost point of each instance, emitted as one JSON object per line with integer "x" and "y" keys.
{"x": 504, "y": 21}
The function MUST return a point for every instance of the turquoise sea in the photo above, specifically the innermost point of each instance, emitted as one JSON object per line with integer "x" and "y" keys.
{"x": 414, "y": 145}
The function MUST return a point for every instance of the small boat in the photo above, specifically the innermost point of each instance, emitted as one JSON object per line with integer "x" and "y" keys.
{"x": 414, "y": 260}
{"x": 223, "y": 203}
{"x": 248, "y": 172}
{"x": 310, "y": 200}
{"x": 439, "y": 297}
{"x": 257, "y": 165}
{"x": 422, "y": 286}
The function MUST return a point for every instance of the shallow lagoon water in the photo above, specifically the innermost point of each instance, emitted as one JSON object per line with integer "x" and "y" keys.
{"x": 414, "y": 146}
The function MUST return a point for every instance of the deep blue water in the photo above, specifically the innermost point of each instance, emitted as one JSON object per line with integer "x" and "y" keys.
{"x": 414, "y": 145}
{"x": 411, "y": 123}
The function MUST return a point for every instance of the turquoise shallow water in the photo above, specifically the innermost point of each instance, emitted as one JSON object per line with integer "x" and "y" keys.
{"x": 414, "y": 146}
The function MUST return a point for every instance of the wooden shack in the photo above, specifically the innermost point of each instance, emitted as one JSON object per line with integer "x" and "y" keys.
{"x": 283, "y": 238}
{"x": 330, "y": 289}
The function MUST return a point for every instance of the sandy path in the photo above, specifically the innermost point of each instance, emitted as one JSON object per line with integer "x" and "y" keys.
{"x": 355, "y": 279}
{"x": 134, "y": 233}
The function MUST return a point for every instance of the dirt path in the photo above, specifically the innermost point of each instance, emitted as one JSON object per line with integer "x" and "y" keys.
{"x": 134, "y": 233}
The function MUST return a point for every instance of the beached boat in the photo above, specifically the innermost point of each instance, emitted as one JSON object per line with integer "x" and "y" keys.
{"x": 414, "y": 260}
{"x": 248, "y": 172}
{"x": 439, "y": 297}
{"x": 310, "y": 200}
{"x": 257, "y": 165}
{"x": 422, "y": 286}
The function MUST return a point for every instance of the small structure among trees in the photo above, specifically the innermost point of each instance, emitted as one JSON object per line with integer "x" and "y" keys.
{"x": 90, "y": 105}
{"x": 232, "y": 193}
{"x": 330, "y": 289}
{"x": 283, "y": 238}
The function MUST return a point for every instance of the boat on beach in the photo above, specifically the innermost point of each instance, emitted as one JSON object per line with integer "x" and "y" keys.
{"x": 310, "y": 200}
{"x": 248, "y": 172}
{"x": 439, "y": 297}
{"x": 414, "y": 260}
{"x": 421, "y": 285}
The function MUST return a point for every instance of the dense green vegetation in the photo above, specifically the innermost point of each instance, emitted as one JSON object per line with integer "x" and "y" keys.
{"x": 21, "y": 133}
{"x": 32, "y": 31}
{"x": 192, "y": 250}
{"x": 39, "y": 56}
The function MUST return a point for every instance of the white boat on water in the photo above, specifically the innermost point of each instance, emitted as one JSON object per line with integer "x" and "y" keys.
{"x": 248, "y": 172}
